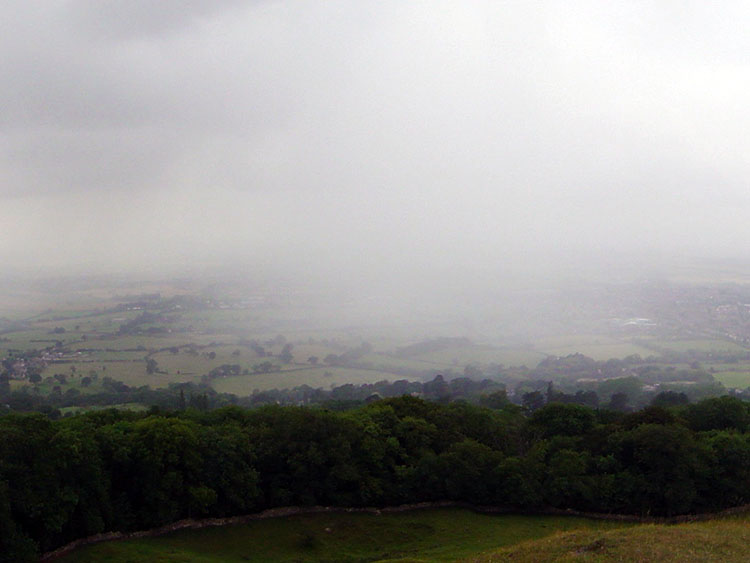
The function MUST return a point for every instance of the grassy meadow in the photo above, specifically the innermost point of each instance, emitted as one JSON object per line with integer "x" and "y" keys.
{"x": 435, "y": 535}
{"x": 738, "y": 379}
{"x": 425, "y": 535}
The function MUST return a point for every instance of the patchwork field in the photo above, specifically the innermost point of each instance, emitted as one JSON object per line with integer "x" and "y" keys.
{"x": 115, "y": 331}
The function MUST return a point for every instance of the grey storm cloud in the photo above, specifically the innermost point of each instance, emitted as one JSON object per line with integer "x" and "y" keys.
{"x": 370, "y": 137}
{"x": 141, "y": 18}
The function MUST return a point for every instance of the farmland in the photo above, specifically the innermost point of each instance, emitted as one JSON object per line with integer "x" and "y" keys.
{"x": 237, "y": 341}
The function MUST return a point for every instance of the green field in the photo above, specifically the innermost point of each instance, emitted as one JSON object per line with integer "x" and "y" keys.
{"x": 462, "y": 355}
{"x": 427, "y": 535}
{"x": 737, "y": 379}
{"x": 385, "y": 362}
{"x": 132, "y": 373}
{"x": 702, "y": 345}
{"x": 599, "y": 347}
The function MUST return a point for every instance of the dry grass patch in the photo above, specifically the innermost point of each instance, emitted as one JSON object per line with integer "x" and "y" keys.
{"x": 719, "y": 541}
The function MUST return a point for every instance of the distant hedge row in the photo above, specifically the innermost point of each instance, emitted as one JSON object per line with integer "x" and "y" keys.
{"x": 113, "y": 470}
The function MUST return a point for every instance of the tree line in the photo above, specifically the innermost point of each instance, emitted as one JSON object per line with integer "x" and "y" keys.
{"x": 117, "y": 470}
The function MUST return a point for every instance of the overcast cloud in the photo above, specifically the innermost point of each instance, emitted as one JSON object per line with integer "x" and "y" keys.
{"x": 370, "y": 137}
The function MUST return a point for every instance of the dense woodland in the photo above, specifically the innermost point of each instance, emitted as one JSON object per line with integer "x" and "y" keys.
{"x": 117, "y": 470}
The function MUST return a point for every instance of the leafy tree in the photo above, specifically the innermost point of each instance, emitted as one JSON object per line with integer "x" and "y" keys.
{"x": 719, "y": 413}
{"x": 670, "y": 399}
{"x": 619, "y": 402}
{"x": 4, "y": 384}
{"x": 587, "y": 398}
{"x": 728, "y": 482}
{"x": 558, "y": 419}
{"x": 468, "y": 471}
{"x": 519, "y": 483}
{"x": 165, "y": 464}
{"x": 565, "y": 483}
{"x": 15, "y": 546}
{"x": 649, "y": 415}
{"x": 663, "y": 464}
{"x": 264, "y": 367}
{"x": 495, "y": 400}
{"x": 286, "y": 354}
{"x": 630, "y": 386}
{"x": 532, "y": 401}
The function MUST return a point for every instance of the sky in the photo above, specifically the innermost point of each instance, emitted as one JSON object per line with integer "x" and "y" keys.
{"x": 373, "y": 139}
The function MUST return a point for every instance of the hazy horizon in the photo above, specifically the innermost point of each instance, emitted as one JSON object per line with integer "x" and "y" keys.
{"x": 384, "y": 143}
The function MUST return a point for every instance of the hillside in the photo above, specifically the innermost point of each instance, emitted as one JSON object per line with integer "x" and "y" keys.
{"x": 722, "y": 540}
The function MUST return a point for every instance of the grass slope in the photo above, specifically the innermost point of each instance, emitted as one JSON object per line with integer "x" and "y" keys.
{"x": 426, "y": 535}
{"x": 723, "y": 540}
